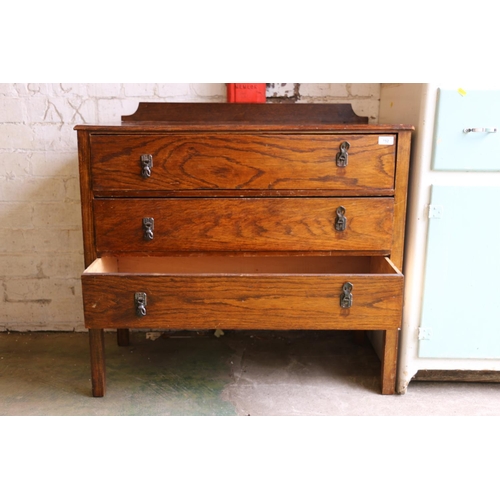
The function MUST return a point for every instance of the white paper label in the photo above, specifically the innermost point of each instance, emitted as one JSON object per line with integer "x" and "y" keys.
{"x": 386, "y": 140}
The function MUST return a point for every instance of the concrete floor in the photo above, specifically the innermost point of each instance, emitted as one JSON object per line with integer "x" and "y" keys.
{"x": 239, "y": 373}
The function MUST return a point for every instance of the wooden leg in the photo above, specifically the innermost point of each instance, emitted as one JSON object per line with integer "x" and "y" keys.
{"x": 389, "y": 361}
{"x": 123, "y": 337}
{"x": 97, "y": 363}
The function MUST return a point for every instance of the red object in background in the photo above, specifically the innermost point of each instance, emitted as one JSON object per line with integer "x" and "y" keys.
{"x": 246, "y": 92}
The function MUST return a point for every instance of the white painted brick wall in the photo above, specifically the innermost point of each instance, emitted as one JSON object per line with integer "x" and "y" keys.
{"x": 41, "y": 255}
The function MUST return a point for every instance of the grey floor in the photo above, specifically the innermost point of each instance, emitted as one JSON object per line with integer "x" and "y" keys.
{"x": 239, "y": 373}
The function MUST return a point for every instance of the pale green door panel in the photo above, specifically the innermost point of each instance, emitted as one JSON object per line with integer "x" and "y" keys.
{"x": 455, "y": 150}
{"x": 461, "y": 299}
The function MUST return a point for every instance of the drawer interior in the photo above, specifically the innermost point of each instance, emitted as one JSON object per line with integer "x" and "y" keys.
{"x": 238, "y": 265}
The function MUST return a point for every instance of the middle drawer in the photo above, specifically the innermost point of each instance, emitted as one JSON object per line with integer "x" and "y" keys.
{"x": 243, "y": 224}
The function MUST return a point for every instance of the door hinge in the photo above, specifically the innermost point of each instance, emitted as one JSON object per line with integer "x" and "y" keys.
{"x": 435, "y": 211}
{"x": 424, "y": 333}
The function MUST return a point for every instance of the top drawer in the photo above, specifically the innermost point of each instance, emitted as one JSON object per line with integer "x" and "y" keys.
{"x": 241, "y": 161}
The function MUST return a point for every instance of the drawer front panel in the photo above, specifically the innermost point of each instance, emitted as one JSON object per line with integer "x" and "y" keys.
{"x": 247, "y": 224}
{"x": 243, "y": 161}
{"x": 244, "y": 302}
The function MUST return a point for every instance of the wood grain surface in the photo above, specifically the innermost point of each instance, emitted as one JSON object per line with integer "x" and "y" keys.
{"x": 239, "y": 113}
{"x": 248, "y": 224}
{"x": 242, "y": 161}
{"x": 243, "y": 302}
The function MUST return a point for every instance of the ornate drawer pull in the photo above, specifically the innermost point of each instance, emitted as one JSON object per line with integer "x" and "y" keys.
{"x": 342, "y": 155}
{"x": 346, "y": 297}
{"x": 146, "y": 165}
{"x": 341, "y": 220}
{"x": 148, "y": 225}
{"x": 140, "y": 301}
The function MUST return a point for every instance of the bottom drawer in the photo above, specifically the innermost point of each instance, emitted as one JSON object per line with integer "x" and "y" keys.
{"x": 275, "y": 293}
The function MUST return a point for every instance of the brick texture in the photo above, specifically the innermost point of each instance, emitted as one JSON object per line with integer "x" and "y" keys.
{"x": 41, "y": 255}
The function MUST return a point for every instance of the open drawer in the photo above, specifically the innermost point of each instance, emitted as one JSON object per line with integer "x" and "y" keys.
{"x": 275, "y": 293}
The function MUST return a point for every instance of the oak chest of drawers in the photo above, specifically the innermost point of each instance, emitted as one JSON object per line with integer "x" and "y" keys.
{"x": 236, "y": 216}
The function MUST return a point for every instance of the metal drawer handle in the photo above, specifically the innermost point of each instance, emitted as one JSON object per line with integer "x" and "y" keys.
{"x": 489, "y": 130}
{"x": 342, "y": 158}
{"x": 146, "y": 166}
{"x": 148, "y": 225}
{"x": 140, "y": 301}
{"x": 346, "y": 297}
{"x": 341, "y": 220}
